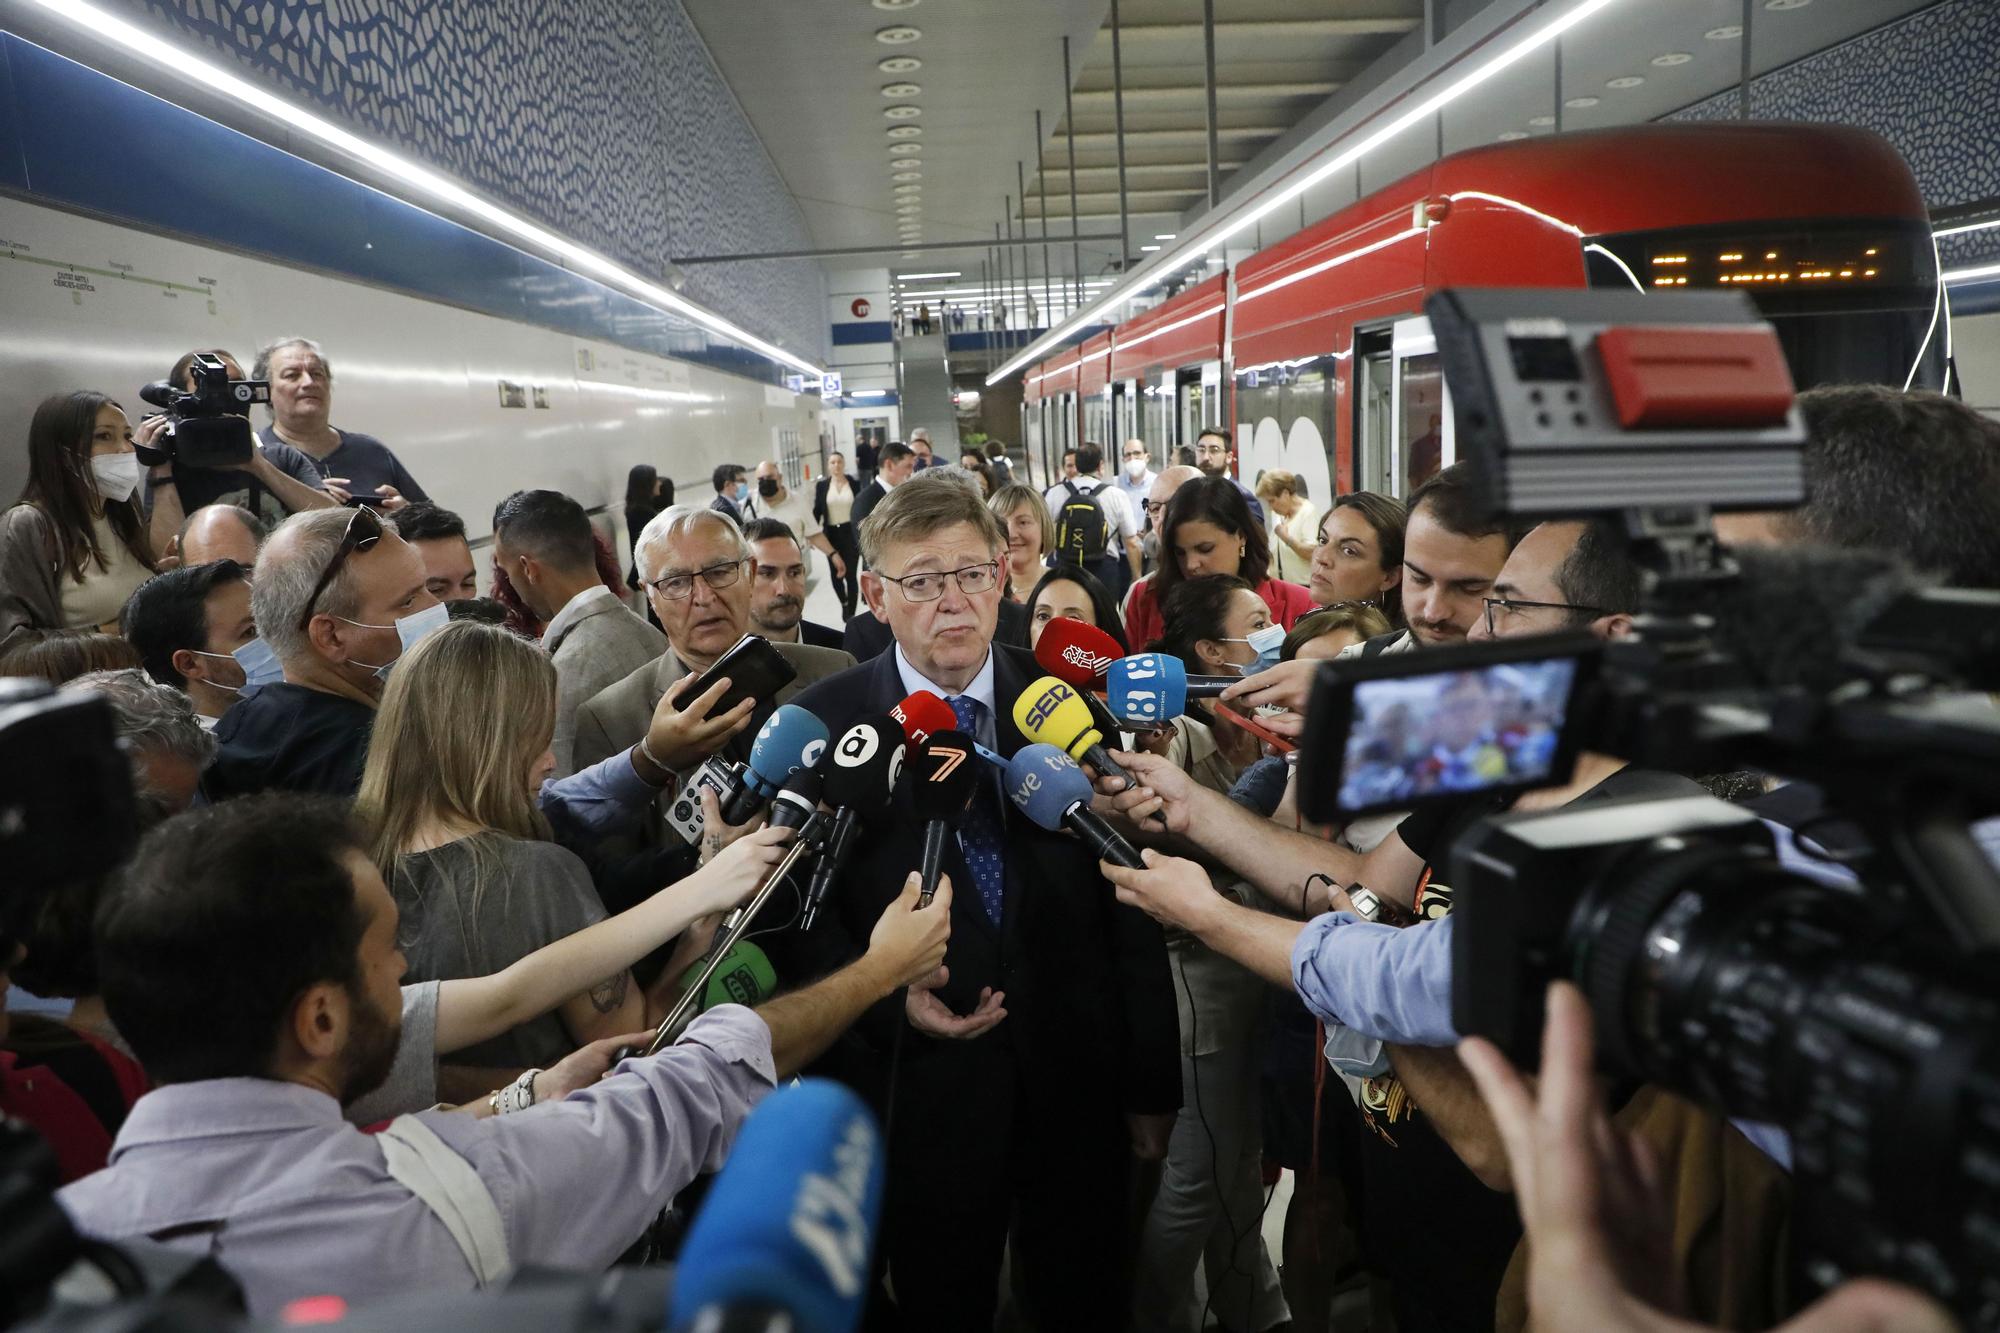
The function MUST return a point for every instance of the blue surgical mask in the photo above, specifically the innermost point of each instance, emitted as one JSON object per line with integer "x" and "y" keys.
{"x": 1268, "y": 643}
{"x": 260, "y": 665}
{"x": 742, "y": 491}
{"x": 411, "y": 629}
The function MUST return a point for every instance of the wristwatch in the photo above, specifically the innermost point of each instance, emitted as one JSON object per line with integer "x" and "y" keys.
{"x": 1368, "y": 905}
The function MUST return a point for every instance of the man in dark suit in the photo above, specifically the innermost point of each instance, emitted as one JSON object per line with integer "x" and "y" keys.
{"x": 1046, "y": 1055}
{"x": 732, "y": 492}
{"x": 894, "y": 466}
{"x": 778, "y": 587}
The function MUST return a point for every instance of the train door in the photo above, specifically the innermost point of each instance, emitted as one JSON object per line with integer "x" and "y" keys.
{"x": 1402, "y": 412}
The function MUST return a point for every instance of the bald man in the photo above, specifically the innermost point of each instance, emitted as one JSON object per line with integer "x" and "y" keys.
{"x": 1162, "y": 490}
{"x": 1136, "y": 476}
{"x": 219, "y": 532}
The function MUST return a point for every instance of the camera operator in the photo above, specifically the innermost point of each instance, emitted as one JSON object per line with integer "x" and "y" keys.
{"x": 277, "y": 481}
{"x": 262, "y": 1005}
{"x": 354, "y": 468}
{"x": 1596, "y": 1226}
{"x": 1429, "y": 1217}
{"x": 188, "y": 624}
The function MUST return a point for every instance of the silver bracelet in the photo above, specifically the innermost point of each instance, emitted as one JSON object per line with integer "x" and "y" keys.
{"x": 646, "y": 749}
{"x": 518, "y": 1095}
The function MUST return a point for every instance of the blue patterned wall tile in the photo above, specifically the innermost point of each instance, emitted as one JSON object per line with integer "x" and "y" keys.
{"x": 605, "y": 120}
{"x": 1928, "y": 82}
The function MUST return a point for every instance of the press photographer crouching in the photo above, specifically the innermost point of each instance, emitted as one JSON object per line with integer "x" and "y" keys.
{"x": 249, "y": 957}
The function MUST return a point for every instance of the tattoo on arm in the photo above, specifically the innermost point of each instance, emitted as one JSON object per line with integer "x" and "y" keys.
{"x": 608, "y": 995}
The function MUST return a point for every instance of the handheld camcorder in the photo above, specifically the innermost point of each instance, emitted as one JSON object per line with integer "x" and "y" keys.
{"x": 1842, "y": 990}
{"x": 208, "y": 425}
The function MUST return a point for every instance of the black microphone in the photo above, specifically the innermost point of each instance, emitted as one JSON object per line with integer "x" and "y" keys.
{"x": 861, "y": 771}
{"x": 791, "y": 739}
{"x": 943, "y": 776}
{"x": 795, "y": 806}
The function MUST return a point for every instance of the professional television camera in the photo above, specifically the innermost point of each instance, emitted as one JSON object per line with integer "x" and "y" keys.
{"x": 208, "y": 426}
{"x": 1856, "y": 1014}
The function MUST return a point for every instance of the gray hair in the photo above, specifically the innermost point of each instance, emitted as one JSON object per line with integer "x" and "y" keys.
{"x": 676, "y": 521}
{"x": 288, "y": 565}
{"x": 149, "y": 717}
{"x": 949, "y": 474}
{"x": 262, "y": 370}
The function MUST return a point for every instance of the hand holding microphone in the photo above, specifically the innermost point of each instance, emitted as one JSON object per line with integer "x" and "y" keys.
{"x": 1051, "y": 790}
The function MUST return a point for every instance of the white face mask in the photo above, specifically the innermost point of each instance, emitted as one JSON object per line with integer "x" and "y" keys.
{"x": 116, "y": 476}
{"x": 1135, "y": 468}
{"x": 411, "y": 629}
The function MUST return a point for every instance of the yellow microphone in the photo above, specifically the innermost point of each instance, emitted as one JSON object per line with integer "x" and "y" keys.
{"x": 1053, "y": 713}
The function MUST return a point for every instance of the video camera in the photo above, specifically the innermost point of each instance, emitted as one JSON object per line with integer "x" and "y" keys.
{"x": 1848, "y": 1005}
{"x": 208, "y": 426}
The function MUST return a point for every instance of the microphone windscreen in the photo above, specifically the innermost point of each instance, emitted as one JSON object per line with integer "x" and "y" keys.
{"x": 744, "y": 976}
{"x": 862, "y": 766}
{"x": 1053, "y": 713}
{"x": 922, "y": 715}
{"x": 1046, "y": 783}
{"x": 790, "y": 739}
{"x": 798, "y": 800}
{"x": 790, "y": 1223}
{"x": 1147, "y": 689}
{"x": 1075, "y": 653}
{"x": 942, "y": 775}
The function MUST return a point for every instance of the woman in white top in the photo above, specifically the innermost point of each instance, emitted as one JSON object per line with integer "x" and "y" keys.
{"x": 75, "y": 545}
{"x": 1294, "y": 521}
{"x": 833, "y": 507}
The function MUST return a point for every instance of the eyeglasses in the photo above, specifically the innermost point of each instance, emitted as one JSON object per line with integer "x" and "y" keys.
{"x": 1508, "y": 607}
{"x": 675, "y": 587}
{"x": 359, "y": 536}
{"x": 972, "y": 580}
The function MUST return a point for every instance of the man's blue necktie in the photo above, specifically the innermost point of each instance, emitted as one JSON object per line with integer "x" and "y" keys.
{"x": 979, "y": 836}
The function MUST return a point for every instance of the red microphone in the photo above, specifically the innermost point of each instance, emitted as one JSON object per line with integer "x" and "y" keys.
{"x": 1075, "y": 653}
{"x": 921, "y": 716}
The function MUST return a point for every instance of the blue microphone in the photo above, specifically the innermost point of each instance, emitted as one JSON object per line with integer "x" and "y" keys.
{"x": 790, "y": 739}
{"x": 786, "y": 1236}
{"x": 1147, "y": 689}
{"x": 1051, "y": 790}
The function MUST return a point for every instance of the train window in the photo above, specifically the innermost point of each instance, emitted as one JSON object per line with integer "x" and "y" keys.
{"x": 1191, "y": 411}
{"x": 1284, "y": 419}
{"x": 1852, "y": 301}
{"x": 1374, "y": 412}
{"x": 1420, "y": 417}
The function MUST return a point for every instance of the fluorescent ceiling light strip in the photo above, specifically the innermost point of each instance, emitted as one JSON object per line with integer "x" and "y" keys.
{"x": 1942, "y": 232}
{"x": 1344, "y": 257}
{"x": 1195, "y": 318}
{"x": 421, "y": 180}
{"x": 1160, "y": 269}
{"x": 1955, "y": 276}
{"x": 919, "y": 277}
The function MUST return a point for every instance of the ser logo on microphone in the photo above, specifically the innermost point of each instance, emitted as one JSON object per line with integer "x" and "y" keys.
{"x": 1045, "y": 707}
{"x": 828, "y": 1217}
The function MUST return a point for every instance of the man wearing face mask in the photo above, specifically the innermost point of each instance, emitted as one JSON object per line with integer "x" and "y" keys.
{"x": 1136, "y": 476}
{"x": 794, "y": 509}
{"x": 188, "y": 625}
{"x": 732, "y": 492}
{"x": 338, "y": 597}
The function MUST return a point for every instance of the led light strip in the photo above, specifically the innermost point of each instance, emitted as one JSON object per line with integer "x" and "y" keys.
{"x": 1958, "y": 275}
{"x": 1160, "y": 269}
{"x": 421, "y": 180}
{"x": 1344, "y": 257}
{"x": 1942, "y": 232}
{"x": 1181, "y": 323}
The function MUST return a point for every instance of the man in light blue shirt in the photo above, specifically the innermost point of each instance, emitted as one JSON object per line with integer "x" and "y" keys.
{"x": 261, "y": 1007}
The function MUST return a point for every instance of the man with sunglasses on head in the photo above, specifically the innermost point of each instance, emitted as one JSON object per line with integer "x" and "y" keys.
{"x": 337, "y": 598}
{"x": 695, "y": 567}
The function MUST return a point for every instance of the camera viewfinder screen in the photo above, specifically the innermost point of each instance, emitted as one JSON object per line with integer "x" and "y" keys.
{"x": 1455, "y": 732}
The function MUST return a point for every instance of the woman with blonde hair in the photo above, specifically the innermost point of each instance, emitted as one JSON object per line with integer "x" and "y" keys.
{"x": 1294, "y": 522}
{"x": 459, "y": 750}
{"x": 1031, "y": 535}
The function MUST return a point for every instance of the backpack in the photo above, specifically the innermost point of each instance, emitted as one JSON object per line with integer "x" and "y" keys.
{"x": 1082, "y": 530}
